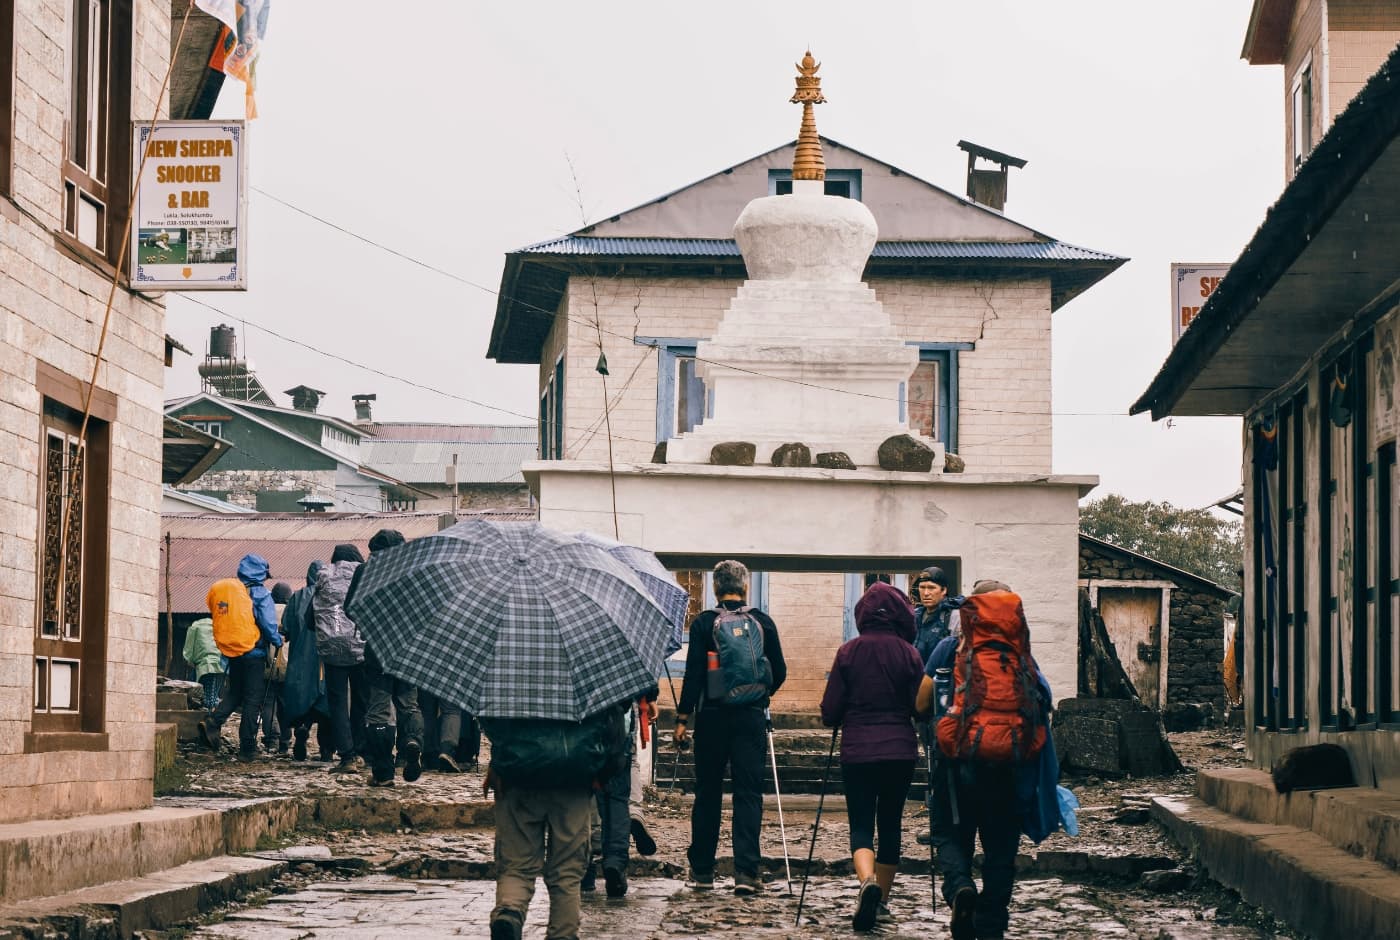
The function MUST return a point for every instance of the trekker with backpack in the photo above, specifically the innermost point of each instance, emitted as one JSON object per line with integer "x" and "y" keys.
{"x": 936, "y": 614}
{"x": 991, "y": 734}
{"x": 734, "y": 664}
{"x": 544, "y": 773}
{"x": 304, "y": 692}
{"x": 870, "y": 695}
{"x": 392, "y": 712}
{"x": 245, "y": 626}
{"x": 342, "y": 652}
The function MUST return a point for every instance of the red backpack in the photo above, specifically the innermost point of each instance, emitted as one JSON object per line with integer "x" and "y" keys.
{"x": 996, "y": 715}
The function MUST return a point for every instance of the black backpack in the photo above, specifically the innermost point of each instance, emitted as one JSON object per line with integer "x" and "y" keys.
{"x": 543, "y": 753}
{"x": 743, "y": 674}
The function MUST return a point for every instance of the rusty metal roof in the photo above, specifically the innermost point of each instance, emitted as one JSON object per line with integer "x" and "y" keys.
{"x": 205, "y": 547}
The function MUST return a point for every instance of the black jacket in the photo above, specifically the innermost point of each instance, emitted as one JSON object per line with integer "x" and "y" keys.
{"x": 702, "y": 642}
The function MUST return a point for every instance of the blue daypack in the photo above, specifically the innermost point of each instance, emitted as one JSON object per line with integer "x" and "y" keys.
{"x": 744, "y": 675}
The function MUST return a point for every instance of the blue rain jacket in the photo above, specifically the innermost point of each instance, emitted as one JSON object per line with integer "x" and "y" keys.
{"x": 252, "y": 571}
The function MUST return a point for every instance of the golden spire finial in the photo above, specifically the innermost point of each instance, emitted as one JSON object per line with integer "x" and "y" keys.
{"x": 807, "y": 162}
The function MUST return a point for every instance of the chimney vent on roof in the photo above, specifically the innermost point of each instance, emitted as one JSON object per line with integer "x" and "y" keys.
{"x": 305, "y": 398}
{"x": 313, "y": 503}
{"x": 986, "y": 186}
{"x": 362, "y": 408}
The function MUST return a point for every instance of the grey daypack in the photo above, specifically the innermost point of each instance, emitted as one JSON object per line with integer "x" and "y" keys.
{"x": 743, "y": 674}
{"x": 338, "y": 640}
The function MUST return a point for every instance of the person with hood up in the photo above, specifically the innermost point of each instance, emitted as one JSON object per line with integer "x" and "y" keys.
{"x": 245, "y": 627}
{"x": 205, "y": 659}
{"x": 870, "y": 695}
{"x": 342, "y": 651}
{"x": 304, "y": 692}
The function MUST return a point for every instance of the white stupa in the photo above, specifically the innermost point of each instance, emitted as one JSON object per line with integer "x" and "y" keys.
{"x": 805, "y": 353}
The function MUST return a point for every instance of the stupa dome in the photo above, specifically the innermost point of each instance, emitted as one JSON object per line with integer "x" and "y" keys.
{"x": 804, "y": 237}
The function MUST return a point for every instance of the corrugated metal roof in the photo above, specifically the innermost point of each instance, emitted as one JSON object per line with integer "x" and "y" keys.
{"x": 427, "y": 461}
{"x": 205, "y": 547}
{"x": 728, "y": 248}
{"x": 463, "y": 433}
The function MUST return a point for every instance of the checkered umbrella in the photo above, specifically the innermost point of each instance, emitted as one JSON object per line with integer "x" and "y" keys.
{"x": 673, "y": 599}
{"x": 512, "y": 620}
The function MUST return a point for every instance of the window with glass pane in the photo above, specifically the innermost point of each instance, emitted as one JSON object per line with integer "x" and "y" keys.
{"x": 690, "y": 395}
{"x": 924, "y": 399}
{"x": 61, "y": 563}
{"x": 98, "y": 127}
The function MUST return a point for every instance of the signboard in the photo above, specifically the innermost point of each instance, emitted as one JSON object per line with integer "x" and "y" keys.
{"x": 1191, "y": 285}
{"x": 188, "y": 228}
{"x": 1386, "y": 406}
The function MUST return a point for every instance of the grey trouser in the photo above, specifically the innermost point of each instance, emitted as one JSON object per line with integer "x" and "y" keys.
{"x": 634, "y": 794}
{"x": 542, "y": 832}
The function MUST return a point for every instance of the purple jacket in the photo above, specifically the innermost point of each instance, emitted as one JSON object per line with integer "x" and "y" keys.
{"x": 870, "y": 691}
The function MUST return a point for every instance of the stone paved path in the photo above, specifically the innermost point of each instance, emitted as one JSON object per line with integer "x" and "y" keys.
{"x": 385, "y": 907}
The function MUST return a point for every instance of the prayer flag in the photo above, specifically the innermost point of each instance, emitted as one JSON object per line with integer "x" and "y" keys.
{"x": 240, "y": 41}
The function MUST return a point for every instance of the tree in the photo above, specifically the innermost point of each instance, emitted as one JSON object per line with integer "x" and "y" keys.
{"x": 1194, "y": 540}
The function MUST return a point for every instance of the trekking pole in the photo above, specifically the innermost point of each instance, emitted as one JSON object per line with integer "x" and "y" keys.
{"x": 812, "y": 848}
{"x": 782, "y": 828}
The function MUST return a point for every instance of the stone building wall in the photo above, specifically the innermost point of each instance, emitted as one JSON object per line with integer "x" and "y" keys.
{"x": 242, "y": 486}
{"x": 51, "y": 313}
{"x": 1195, "y": 625}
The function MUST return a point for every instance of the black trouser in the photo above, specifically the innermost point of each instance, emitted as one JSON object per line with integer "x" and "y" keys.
{"x": 325, "y": 735}
{"x": 393, "y": 703}
{"x": 616, "y": 823}
{"x": 987, "y": 806}
{"x": 247, "y": 686}
{"x": 733, "y": 737}
{"x": 875, "y": 795}
{"x": 345, "y": 696}
{"x": 469, "y": 742}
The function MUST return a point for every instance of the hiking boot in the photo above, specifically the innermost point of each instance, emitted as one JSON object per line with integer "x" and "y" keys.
{"x": 413, "y": 762}
{"x": 884, "y": 914}
{"x": 616, "y": 880}
{"x": 702, "y": 882}
{"x": 247, "y": 757}
{"x": 589, "y": 882}
{"x": 446, "y": 765}
{"x": 345, "y": 767}
{"x": 299, "y": 751}
{"x": 506, "y": 926}
{"x": 376, "y": 782}
{"x": 642, "y": 839}
{"x": 208, "y": 735}
{"x": 964, "y": 906}
{"x": 867, "y": 906}
{"x": 746, "y": 885}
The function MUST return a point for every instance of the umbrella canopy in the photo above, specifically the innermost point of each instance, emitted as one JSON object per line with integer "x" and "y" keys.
{"x": 512, "y": 620}
{"x": 661, "y": 584}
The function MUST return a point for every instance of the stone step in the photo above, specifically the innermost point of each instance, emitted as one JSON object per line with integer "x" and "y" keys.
{"x": 172, "y": 701}
{"x": 53, "y": 856}
{"x": 158, "y": 900}
{"x": 1297, "y": 874}
{"x": 1363, "y": 821}
{"x": 186, "y": 721}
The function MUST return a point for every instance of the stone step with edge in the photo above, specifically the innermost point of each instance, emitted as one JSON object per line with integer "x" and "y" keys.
{"x": 157, "y": 900}
{"x": 1363, "y": 821}
{"x": 1301, "y": 877}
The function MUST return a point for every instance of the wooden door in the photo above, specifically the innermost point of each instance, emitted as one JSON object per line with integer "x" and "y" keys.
{"x": 1133, "y": 617}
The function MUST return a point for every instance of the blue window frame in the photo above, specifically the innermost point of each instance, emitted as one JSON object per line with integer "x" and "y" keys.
{"x": 929, "y": 401}
{"x": 838, "y": 183}
{"x": 682, "y": 400}
{"x": 855, "y": 587}
{"x": 551, "y": 426}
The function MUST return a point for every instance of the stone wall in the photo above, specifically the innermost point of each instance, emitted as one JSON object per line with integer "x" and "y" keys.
{"x": 1004, "y": 408}
{"x": 51, "y": 312}
{"x": 1194, "y": 630}
{"x": 243, "y": 486}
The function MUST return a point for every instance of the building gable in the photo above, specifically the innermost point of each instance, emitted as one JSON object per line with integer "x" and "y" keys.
{"x": 905, "y": 207}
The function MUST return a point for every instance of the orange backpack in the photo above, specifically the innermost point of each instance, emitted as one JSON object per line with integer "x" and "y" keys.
{"x": 235, "y": 630}
{"x": 996, "y": 714}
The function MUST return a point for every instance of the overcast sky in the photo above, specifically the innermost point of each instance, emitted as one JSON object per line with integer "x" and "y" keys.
{"x": 446, "y": 133}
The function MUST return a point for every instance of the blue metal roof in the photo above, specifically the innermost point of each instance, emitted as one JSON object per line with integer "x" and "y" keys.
{"x": 588, "y": 245}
